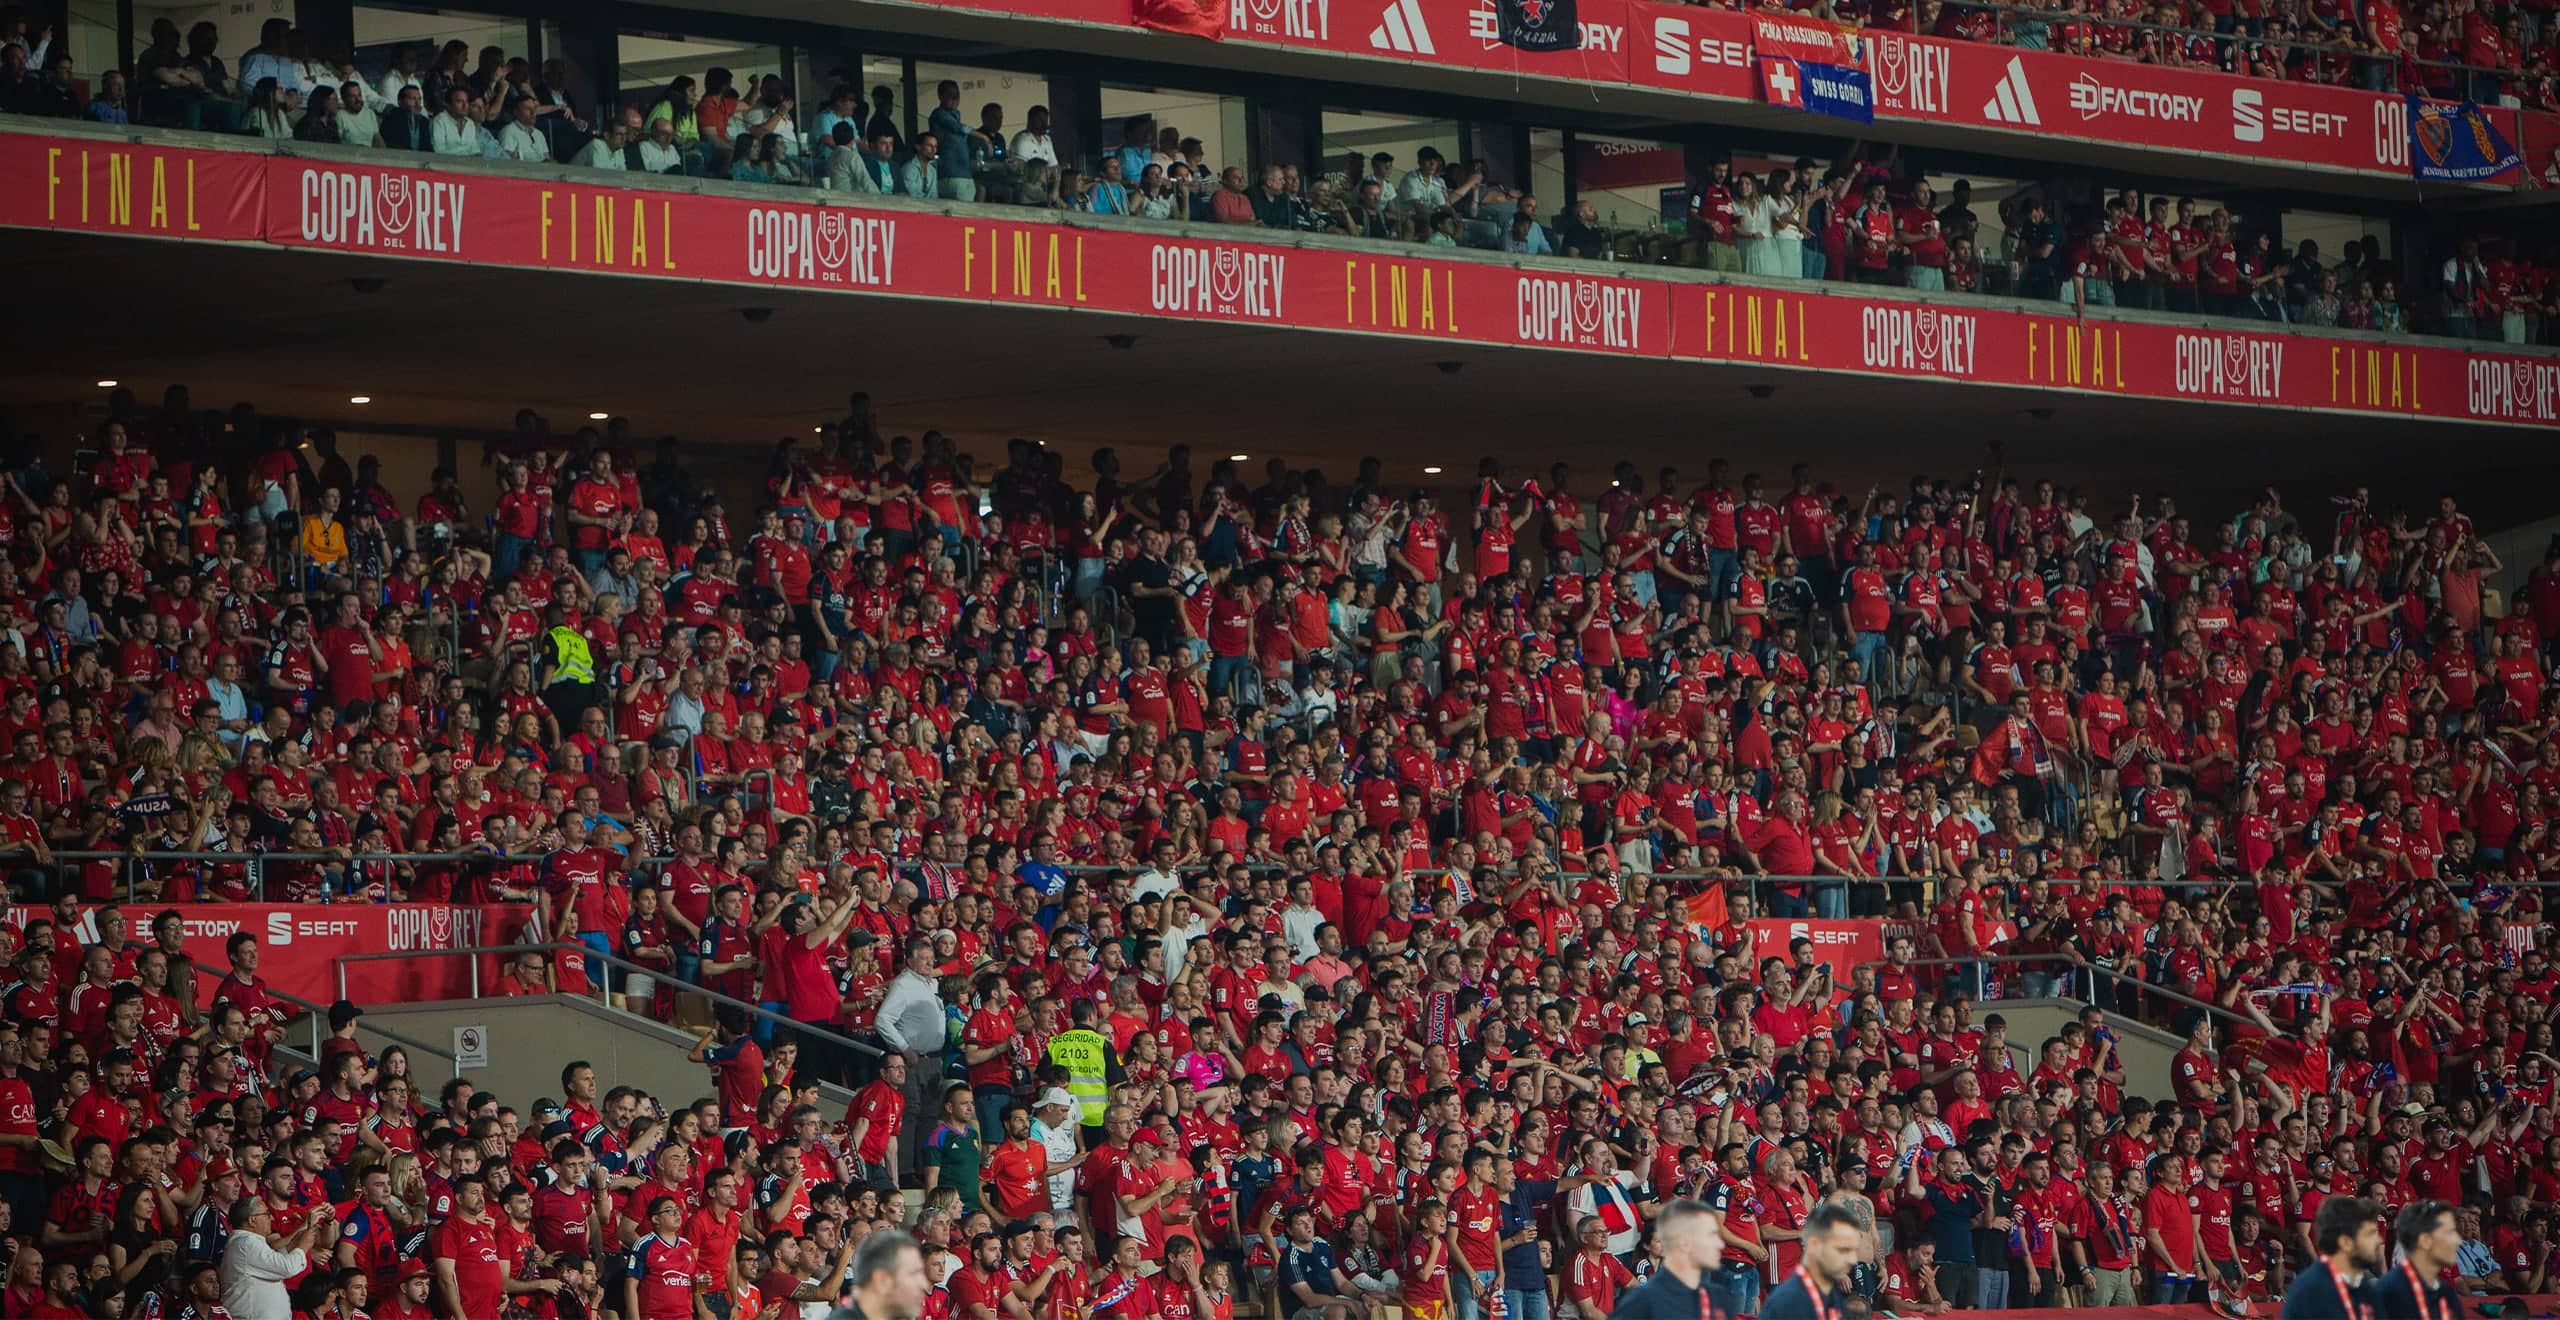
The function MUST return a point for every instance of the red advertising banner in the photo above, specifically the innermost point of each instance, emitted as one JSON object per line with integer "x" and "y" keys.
{"x": 1811, "y": 40}
{"x": 1684, "y": 48}
{"x": 1450, "y": 34}
{"x": 1840, "y": 945}
{"x": 299, "y": 943}
{"x": 795, "y": 241}
{"x": 2141, "y": 105}
{"x": 1818, "y": 330}
{"x": 1603, "y": 163}
{"x": 102, "y": 187}
{"x": 1709, "y": 52}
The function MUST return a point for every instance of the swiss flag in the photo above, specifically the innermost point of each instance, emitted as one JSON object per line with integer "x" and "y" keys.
{"x": 1197, "y": 18}
{"x": 1781, "y": 82}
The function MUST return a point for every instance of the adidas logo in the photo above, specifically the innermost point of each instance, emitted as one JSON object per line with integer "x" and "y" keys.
{"x": 2012, "y": 102}
{"x": 1401, "y": 29}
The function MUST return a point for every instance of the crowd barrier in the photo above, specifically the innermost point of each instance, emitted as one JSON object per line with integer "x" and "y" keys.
{"x": 298, "y": 943}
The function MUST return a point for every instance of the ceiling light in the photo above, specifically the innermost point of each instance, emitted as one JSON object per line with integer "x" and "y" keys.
{"x": 1238, "y": 458}
{"x": 106, "y": 384}
{"x": 359, "y": 398}
{"x": 1431, "y": 472}
{"x": 595, "y": 417}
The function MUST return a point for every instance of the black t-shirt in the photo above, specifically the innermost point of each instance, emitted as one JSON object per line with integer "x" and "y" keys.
{"x": 1582, "y": 240}
{"x": 1153, "y": 573}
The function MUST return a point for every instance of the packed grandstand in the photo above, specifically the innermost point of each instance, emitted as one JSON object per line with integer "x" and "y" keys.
{"x": 1174, "y": 886}
{"x": 1262, "y": 890}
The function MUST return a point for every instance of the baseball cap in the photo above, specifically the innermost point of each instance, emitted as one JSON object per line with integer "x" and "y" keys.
{"x": 1146, "y": 1136}
{"x": 1056, "y": 1095}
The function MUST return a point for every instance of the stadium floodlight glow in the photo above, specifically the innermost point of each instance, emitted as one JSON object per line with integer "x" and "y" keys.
{"x": 1238, "y": 458}
{"x": 359, "y": 398}
{"x": 106, "y": 384}
{"x": 1431, "y": 472}
{"x": 595, "y": 416}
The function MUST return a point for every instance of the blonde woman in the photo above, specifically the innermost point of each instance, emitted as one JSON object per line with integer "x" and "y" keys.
{"x": 409, "y": 1192}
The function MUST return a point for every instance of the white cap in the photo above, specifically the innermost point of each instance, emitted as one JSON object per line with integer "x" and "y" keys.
{"x": 1056, "y": 1095}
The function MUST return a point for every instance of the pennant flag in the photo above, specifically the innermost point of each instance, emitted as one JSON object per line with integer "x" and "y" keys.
{"x": 2457, "y": 143}
{"x": 1536, "y": 25}
{"x": 1192, "y": 18}
{"x": 1707, "y": 909}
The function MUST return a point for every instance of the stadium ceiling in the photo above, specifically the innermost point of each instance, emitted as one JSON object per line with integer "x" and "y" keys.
{"x": 457, "y": 348}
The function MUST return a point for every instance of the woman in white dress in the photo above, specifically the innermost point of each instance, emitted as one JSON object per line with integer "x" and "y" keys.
{"x": 1786, "y": 236}
{"x": 1754, "y": 217}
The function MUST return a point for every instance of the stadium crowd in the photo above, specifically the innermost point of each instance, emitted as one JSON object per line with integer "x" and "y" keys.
{"x": 1862, "y": 219}
{"x": 1274, "y": 890}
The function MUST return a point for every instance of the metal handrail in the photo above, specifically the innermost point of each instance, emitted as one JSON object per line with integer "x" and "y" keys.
{"x": 2077, "y": 963}
{"x": 476, "y": 952}
{"x": 1071, "y": 868}
{"x": 314, "y": 1012}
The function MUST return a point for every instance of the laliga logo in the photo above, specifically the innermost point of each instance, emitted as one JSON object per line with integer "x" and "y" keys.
{"x": 391, "y": 204}
{"x": 1226, "y": 280}
{"x": 1586, "y": 306}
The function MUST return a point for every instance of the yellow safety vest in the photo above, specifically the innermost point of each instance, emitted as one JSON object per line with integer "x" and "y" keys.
{"x": 575, "y": 664}
{"x": 1087, "y": 1059}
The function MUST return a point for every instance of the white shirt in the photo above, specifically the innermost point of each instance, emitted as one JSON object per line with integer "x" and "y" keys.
{"x": 658, "y": 159}
{"x": 1177, "y": 943}
{"x": 518, "y": 142}
{"x": 1299, "y": 924}
{"x": 1061, "y": 1143}
{"x": 783, "y": 128}
{"x": 1423, "y": 192}
{"x": 358, "y": 128}
{"x": 454, "y": 137}
{"x": 1152, "y": 883}
{"x": 912, "y": 1016}
{"x": 1028, "y": 145}
{"x": 253, "y": 1276}
{"x": 388, "y": 90}
{"x": 601, "y": 155}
